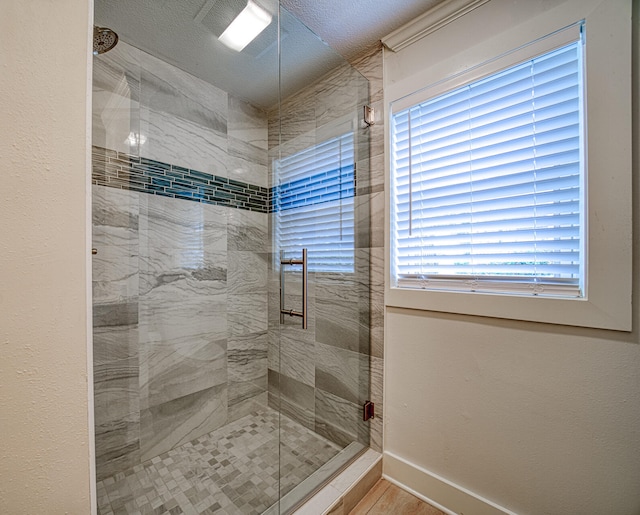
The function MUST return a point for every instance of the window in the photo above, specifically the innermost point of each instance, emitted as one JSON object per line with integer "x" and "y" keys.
{"x": 314, "y": 204}
{"x": 436, "y": 59}
{"x": 488, "y": 182}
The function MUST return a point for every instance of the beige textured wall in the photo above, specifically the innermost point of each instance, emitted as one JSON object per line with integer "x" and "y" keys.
{"x": 45, "y": 457}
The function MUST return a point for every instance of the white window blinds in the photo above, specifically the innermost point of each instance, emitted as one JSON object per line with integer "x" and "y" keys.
{"x": 314, "y": 204}
{"x": 488, "y": 182}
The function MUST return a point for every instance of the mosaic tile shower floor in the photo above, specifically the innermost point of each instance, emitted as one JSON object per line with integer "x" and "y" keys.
{"x": 232, "y": 470}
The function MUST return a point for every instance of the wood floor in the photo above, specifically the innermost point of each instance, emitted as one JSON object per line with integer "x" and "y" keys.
{"x": 385, "y": 498}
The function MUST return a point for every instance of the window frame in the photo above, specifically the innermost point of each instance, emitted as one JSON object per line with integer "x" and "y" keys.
{"x": 498, "y": 27}
{"x": 573, "y": 37}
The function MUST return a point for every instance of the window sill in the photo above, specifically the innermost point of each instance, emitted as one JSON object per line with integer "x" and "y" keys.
{"x": 580, "y": 312}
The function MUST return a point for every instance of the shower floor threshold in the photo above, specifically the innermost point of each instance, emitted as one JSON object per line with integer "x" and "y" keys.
{"x": 317, "y": 480}
{"x": 239, "y": 468}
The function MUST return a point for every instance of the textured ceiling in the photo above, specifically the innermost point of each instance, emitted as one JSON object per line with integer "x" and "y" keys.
{"x": 183, "y": 32}
{"x": 350, "y": 25}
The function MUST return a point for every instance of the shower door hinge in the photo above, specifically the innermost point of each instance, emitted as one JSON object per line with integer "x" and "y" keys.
{"x": 368, "y": 411}
{"x": 369, "y": 116}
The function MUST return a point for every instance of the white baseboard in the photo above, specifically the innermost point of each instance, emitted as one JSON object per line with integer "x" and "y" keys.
{"x": 437, "y": 491}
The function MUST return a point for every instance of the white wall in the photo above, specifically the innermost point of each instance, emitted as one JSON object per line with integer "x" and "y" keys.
{"x": 539, "y": 419}
{"x": 45, "y": 456}
{"x": 534, "y": 418}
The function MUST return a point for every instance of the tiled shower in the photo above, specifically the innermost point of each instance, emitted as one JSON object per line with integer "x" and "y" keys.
{"x": 204, "y": 401}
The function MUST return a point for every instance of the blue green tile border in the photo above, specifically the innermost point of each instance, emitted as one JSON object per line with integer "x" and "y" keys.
{"x": 125, "y": 171}
{"x": 335, "y": 184}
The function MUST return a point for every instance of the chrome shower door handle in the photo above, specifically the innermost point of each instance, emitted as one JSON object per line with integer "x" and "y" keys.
{"x": 292, "y": 313}
{"x": 304, "y": 288}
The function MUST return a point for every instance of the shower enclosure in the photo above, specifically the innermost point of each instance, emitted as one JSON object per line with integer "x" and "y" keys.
{"x": 212, "y": 170}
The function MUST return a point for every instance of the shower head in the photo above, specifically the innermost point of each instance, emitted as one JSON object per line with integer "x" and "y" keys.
{"x": 103, "y": 40}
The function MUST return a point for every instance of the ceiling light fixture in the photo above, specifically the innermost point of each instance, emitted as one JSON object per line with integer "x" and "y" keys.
{"x": 251, "y": 21}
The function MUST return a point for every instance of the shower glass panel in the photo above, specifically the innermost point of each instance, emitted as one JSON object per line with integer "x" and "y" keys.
{"x": 204, "y": 402}
{"x": 318, "y": 149}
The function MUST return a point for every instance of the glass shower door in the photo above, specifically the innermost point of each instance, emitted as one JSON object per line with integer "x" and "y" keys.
{"x": 318, "y": 376}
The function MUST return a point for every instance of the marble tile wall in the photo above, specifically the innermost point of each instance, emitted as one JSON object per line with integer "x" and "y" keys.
{"x": 321, "y": 376}
{"x": 180, "y": 287}
{"x": 130, "y": 172}
{"x": 115, "y": 329}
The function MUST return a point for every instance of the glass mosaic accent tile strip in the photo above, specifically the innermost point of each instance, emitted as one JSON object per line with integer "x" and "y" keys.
{"x": 334, "y": 184}
{"x": 320, "y": 173}
{"x": 129, "y": 172}
{"x": 125, "y": 171}
{"x": 232, "y": 470}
